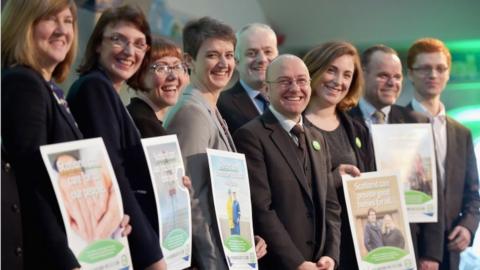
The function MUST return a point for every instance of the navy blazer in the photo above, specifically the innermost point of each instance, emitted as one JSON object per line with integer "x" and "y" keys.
{"x": 236, "y": 107}
{"x": 99, "y": 112}
{"x": 145, "y": 119}
{"x": 31, "y": 117}
{"x": 285, "y": 213}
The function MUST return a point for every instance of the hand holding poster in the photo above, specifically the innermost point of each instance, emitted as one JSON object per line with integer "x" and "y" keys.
{"x": 173, "y": 201}
{"x": 378, "y": 221}
{"x": 408, "y": 149}
{"x": 90, "y": 202}
{"x": 231, "y": 197}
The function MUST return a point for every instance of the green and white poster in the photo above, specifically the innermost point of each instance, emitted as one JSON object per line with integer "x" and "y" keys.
{"x": 166, "y": 168}
{"x": 408, "y": 150}
{"x": 378, "y": 221}
{"x": 233, "y": 208}
{"x": 89, "y": 198}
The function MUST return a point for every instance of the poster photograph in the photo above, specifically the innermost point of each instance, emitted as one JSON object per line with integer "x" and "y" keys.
{"x": 90, "y": 202}
{"x": 378, "y": 222}
{"x": 166, "y": 168}
{"x": 408, "y": 150}
{"x": 233, "y": 208}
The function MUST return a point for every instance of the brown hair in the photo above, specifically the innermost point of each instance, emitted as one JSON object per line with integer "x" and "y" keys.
{"x": 197, "y": 31}
{"x": 427, "y": 45}
{"x": 18, "y": 20}
{"x": 112, "y": 16}
{"x": 321, "y": 57}
{"x": 161, "y": 47}
{"x": 367, "y": 54}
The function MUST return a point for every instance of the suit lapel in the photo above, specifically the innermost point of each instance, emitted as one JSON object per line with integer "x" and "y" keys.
{"x": 451, "y": 146}
{"x": 316, "y": 161}
{"x": 65, "y": 114}
{"x": 243, "y": 102}
{"x": 286, "y": 147}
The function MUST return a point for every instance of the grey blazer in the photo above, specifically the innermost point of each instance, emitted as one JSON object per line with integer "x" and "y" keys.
{"x": 197, "y": 127}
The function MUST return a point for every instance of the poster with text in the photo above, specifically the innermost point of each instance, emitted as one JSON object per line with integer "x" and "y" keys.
{"x": 231, "y": 197}
{"x": 172, "y": 198}
{"x": 408, "y": 150}
{"x": 90, "y": 202}
{"x": 378, "y": 222}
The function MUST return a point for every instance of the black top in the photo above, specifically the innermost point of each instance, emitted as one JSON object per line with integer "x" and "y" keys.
{"x": 145, "y": 119}
{"x": 341, "y": 152}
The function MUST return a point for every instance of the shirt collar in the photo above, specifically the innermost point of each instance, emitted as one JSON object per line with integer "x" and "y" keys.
{"x": 368, "y": 109}
{"x": 252, "y": 93}
{"x": 418, "y": 107}
{"x": 286, "y": 123}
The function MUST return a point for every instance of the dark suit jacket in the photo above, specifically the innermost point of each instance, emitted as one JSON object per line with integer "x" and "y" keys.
{"x": 461, "y": 200}
{"x": 145, "y": 119}
{"x": 285, "y": 213}
{"x": 100, "y": 113}
{"x": 31, "y": 117}
{"x": 362, "y": 145}
{"x": 236, "y": 107}
{"x": 423, "y": 234}
{"x": 12, "y": 242}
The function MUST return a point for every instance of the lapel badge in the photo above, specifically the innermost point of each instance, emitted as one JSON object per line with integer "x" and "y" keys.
{"x": 316, "y": 145}
{"x": 358, "y": 142}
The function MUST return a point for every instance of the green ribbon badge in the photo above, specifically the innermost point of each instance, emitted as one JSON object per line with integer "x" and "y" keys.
{"x": 316, "y": 145}
{"x": 358, "y": 142}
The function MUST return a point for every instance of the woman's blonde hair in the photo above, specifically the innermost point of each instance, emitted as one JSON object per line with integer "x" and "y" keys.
{"x": 384, "y": 225}
{"x": 18, "y": 20}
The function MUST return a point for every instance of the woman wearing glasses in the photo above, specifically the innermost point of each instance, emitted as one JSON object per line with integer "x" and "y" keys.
{"x": 337, "y": 81}
{"x": 114, "y": 53}
{"x": 157, "y": 87}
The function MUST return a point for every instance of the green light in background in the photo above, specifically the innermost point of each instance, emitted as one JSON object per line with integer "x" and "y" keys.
{"x": 470, "y": 117}
{"x": 470, "y": 45}
{"x": 464, "y": 86}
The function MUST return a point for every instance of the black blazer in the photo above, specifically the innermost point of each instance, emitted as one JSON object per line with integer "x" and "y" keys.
{"x": 31, "y": 117}
{"x": 236, "y": 107}
{"x": 100, "y": 113}
{"x": 145, "y": 119}
{"x": 397, "y": 115}
{"x": 362, "y": 145}
{"x": 285, "y": 213}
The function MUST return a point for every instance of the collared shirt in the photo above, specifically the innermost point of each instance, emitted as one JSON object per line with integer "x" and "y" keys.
{"x": 287, "y": 124}
{"x": 368, "y": 111}
{"x": 439, "y": 126}
{"x": 252, "y": 94}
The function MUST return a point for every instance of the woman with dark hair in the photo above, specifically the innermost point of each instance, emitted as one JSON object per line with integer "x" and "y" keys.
{"x": 157, "y": 87}
{"x": 337, "y": 82}
{"x": 114, "y": 54}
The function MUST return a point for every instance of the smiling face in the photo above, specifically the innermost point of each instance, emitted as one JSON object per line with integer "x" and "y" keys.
{"x": 52, "y": 38}
{"x": 256, "y": 48}
{"x": 213, "y": 67}
{"x": 121, "y": 62}
{"x": 383, "y": 79}
{"x": 164, "y": 88}
{"x": 334, "y": 83}
{"x": 289, "y": 100}
{"x": 430, "y": 74}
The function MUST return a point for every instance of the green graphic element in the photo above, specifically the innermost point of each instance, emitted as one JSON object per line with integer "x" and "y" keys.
{"x": 413, "y": 197}
{"x": 358, "y": 142}
{"x": 100, "y": 250}
{"x": 174, "y": 239}
{"x": 316, "y": 145}
{"x": 236, "y": 243}
{"x": 385, "y": 254}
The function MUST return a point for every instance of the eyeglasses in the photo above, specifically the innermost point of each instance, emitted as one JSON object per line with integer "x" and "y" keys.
{"x": 164, "y": 70}
{"x": 286, "y": 83}
{"x": 121, "y": 41}
{"x": 427, "y": 70}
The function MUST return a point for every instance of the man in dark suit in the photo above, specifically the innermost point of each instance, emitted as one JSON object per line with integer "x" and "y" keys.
{"x": 429, "y": 62}
{"x": 383, "y": 82}
{"x": 256, "y": 48}
{"x": 383, "y": 85}
{"x": 295, "y": 208}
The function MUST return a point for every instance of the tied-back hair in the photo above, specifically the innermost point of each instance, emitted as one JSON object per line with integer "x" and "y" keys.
{"x": 19, "y": 17}
{"x": 427, "y": 45}
{"x": 198, "y": 31}
{"x": 161, "y": 47}
{"x": 110, "y": 17}
{"x": 319, "y": 59}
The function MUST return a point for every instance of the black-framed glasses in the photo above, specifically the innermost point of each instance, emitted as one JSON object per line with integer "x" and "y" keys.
{"x": 164, "y": 70}
{"x": 121, "y": 41}
{"x": 286, "y": 83}
{"x": 427, "y": 70}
